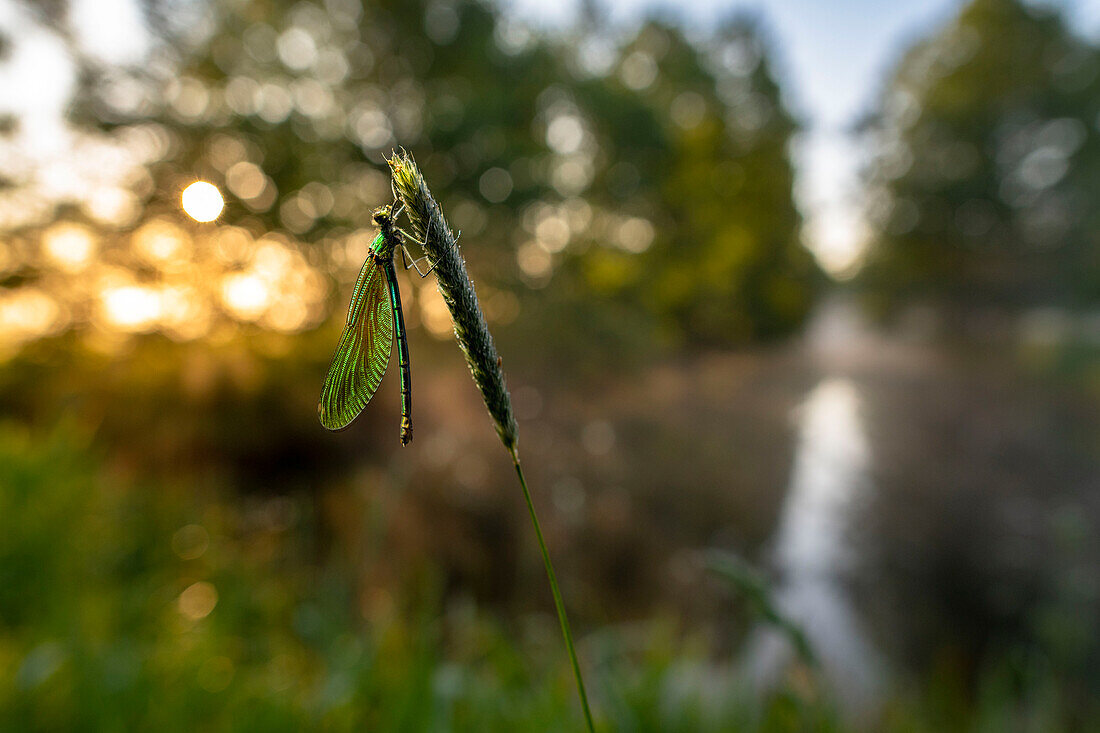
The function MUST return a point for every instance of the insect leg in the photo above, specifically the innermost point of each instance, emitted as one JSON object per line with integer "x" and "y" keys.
{"x": 408, "y": 263}
{"x": 406, "y": 257}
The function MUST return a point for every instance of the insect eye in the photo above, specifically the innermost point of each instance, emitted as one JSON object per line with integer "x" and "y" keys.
{"x": 381, "y": 215}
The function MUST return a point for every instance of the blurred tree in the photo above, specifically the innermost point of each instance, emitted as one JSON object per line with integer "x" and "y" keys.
{"x": 545, "y": 154}
{"x": 694, "y": 165}
{"x": 985, "y": 165}
{"x": 647, "y": 181}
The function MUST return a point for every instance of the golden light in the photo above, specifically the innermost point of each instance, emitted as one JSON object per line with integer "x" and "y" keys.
{"x": 272, "y": 259}
{"x": 161, "y": 241}
{"x": 202, "y": 201}
{"x": 246, "y": 295}
{"x": 112, "y": 205}
{"x": 287, "y": 315}
{"x": 197, "y": 600}
{"x": 246, "y": 180}
{"x": 132, "y": 307}
{"x": 69, "y": 246}
{"x": 434, "y": 313}
{"x": 26, "y": 313}
{"x": 185, "y": 313}
{"x": 232, "y": 245}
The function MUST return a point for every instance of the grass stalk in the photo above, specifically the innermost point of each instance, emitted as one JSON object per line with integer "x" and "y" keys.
{"x": 431, "y": 230}
{"x": 563, "y": 618}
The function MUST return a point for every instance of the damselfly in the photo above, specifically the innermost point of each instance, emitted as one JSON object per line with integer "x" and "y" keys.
{"x": 374, "y": 316}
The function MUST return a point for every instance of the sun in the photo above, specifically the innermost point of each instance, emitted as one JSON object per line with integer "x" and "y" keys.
{"x": 202, "y": 201}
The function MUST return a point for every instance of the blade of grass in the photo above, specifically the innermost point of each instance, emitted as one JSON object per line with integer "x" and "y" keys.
{"x": 563, "y": 619}
{"x": 472, "y": 333}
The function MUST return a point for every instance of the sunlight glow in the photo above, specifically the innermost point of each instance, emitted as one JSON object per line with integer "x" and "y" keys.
{"x": 132, "y": 307}
{"x": 185, "y": 312}
{"x": 112, "y": 31}
{"x": 202, "y": 201}
{"x": 69, "y": 246}
{"x": 246, "y": 295}
{"x": 26, "y": 314}
{"x": 838, "y": 236}
{"x": 286, "y": 315}
{"x": 160, "y": 241}
{"x": 434, "y": 313}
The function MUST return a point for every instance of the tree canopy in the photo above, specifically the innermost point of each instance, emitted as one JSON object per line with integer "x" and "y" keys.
{"x": 984, "y": 173}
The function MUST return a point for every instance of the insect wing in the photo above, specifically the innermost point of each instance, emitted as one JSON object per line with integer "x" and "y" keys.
{"x": 363, "y": 353}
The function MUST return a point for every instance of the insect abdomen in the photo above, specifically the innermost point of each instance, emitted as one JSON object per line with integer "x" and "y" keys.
{"x": 402, "y": 354}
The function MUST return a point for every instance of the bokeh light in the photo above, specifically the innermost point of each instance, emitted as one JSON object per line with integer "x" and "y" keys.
{"x": 202, "y": 201}
{"x": 69, "y": 246}
{"x": 132, "y": 307}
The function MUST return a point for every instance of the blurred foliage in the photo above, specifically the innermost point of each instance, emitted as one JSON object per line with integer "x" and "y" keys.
{"x": 755, "y": 587}
{"x": 986, "y": 165}
{"x": 123, "y": 608}
{"x": 590, "y": 174}
{"x": 650, "y": 175}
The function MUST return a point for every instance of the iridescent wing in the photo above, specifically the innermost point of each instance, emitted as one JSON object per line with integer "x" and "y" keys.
{"x": 364, "y": 351}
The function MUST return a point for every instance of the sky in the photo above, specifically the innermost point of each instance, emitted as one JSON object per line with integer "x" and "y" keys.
{"x": 832, "y": 57}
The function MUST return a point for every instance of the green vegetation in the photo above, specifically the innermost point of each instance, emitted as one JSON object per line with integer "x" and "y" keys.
{"x": 125, "y": 608}
{"x": 182, "y": 608}
{"x": 986, "y": 164}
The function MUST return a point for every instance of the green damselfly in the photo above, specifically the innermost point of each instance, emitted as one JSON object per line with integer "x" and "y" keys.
{"x": 374, "y": 316}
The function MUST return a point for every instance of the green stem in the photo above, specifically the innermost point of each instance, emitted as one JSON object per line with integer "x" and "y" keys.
{"x": 557, "y": 595}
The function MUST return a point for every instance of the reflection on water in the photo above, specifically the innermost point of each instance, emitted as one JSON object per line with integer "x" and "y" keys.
{"x": 811, "y": 552}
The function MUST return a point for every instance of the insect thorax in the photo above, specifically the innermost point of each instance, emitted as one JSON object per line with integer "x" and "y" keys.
{"x": 383, "y": 246}
{"x": 388, "y": 238}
